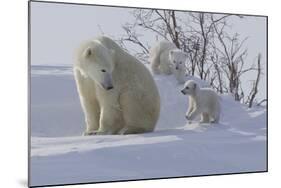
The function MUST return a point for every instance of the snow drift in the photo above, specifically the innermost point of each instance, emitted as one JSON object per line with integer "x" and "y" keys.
{"x": 59, "y": 154}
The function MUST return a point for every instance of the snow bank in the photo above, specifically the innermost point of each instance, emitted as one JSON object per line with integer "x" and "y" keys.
{"x": 59, "y": 154}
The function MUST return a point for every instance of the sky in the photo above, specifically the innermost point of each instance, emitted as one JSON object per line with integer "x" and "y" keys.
{"x": 57, "y": 30}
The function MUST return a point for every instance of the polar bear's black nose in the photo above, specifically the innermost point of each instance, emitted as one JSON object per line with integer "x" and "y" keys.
{"x": 183, "y": 92}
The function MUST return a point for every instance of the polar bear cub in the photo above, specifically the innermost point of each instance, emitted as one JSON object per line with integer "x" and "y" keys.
{"x": 165, "y": 58}
{"x": 202, "y": 101}
{"x": 177, "y": 62}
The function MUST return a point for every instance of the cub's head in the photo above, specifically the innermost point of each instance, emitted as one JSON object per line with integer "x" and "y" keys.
{"x": 177, "y": 59}
{"x": 190, "y": 87}
{"x": 96, "y": 62}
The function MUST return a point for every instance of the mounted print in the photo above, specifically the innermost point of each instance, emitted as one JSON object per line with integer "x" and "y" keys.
{"x": 128, "y": 93}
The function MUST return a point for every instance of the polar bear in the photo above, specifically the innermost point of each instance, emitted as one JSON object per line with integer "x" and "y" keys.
{"x": 202, "y": 101}
{"x": 159, "y": 57}
{"x": 166, "y": 58}
{"x": 177, "y": 62}
{"x": 118, "y": 94}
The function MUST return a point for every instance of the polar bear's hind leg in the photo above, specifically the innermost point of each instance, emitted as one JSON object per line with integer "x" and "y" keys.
{"x": 216, "y": 115}
{"x": 216, "y": 119}
{"x": 165, "y": 64}
{"x": 205, "y": 118}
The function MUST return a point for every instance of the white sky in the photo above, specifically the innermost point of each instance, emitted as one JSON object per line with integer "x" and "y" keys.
{"x": 58, "y": 29}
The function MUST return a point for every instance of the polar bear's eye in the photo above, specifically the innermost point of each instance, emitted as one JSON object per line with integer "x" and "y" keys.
{"x": 103, "y": 70}
{"x": 187, "y": 88}
{"x": 174, "y": 61}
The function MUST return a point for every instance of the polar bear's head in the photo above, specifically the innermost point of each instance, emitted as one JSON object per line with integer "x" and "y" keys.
{"x": 177, "y": 59}
{"x": 96, "y": 62}
{"x": 190, "y": 88}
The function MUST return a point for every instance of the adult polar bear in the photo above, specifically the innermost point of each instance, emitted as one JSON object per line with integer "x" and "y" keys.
{"x": 117, "y": 93}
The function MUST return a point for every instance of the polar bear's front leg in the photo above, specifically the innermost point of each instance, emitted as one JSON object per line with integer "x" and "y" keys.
{"x": 190, "y": 109}
{"x": 165, "y": 65}
{"x": 89, "y": 103}
{"x": 195, "y": 112}
{"x": 111, "y": 121}
{"x": 91, "y": 112}
{"x": 191, "y": 105}
{"x": 180, "y": 76}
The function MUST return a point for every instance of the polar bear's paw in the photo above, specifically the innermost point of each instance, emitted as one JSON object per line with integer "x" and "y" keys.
{"x": 96, "y": 132}
{"x": 89, "y": 133}
{"x": 104, "y": 133}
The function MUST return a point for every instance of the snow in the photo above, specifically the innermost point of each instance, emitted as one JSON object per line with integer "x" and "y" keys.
{"x": 60, "y": 154}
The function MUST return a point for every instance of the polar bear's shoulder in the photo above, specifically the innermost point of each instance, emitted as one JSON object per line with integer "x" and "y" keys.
{"x": 208, "y": 92}
{"x": 107, "y": 42}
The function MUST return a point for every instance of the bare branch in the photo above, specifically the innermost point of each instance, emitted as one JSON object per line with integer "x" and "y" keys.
{"x": 254, "y": 91}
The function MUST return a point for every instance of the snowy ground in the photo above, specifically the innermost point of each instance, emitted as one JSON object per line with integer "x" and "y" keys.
{"x": 59, "y": 154}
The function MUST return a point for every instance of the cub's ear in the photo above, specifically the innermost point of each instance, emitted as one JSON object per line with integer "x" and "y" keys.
{"x": 88, "y": 52}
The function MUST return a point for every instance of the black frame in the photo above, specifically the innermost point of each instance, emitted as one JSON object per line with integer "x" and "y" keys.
{"x": 99, "y": 5}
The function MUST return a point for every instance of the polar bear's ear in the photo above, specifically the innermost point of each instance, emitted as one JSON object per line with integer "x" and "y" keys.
{"x": 88, "y": 52}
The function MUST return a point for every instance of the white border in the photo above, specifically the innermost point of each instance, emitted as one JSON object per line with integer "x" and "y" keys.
{"x": 13, "y": 15}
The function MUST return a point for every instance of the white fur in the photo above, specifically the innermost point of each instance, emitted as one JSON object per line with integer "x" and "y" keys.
{"x": 177, "y": 60}
{"x": 165, "y": 58}
{"x": 159, "y": 57}
{"x": 117, "y": 93}
{"x": 202, "y": 101}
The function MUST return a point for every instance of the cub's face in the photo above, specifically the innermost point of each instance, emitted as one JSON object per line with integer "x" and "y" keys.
{"x": 177, "y": 59}
{"x": 96, "y": 62}
{"x": 189, "y": 88}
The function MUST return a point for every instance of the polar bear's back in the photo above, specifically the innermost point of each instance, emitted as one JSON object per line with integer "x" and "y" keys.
{"x": 209, "y": 98}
